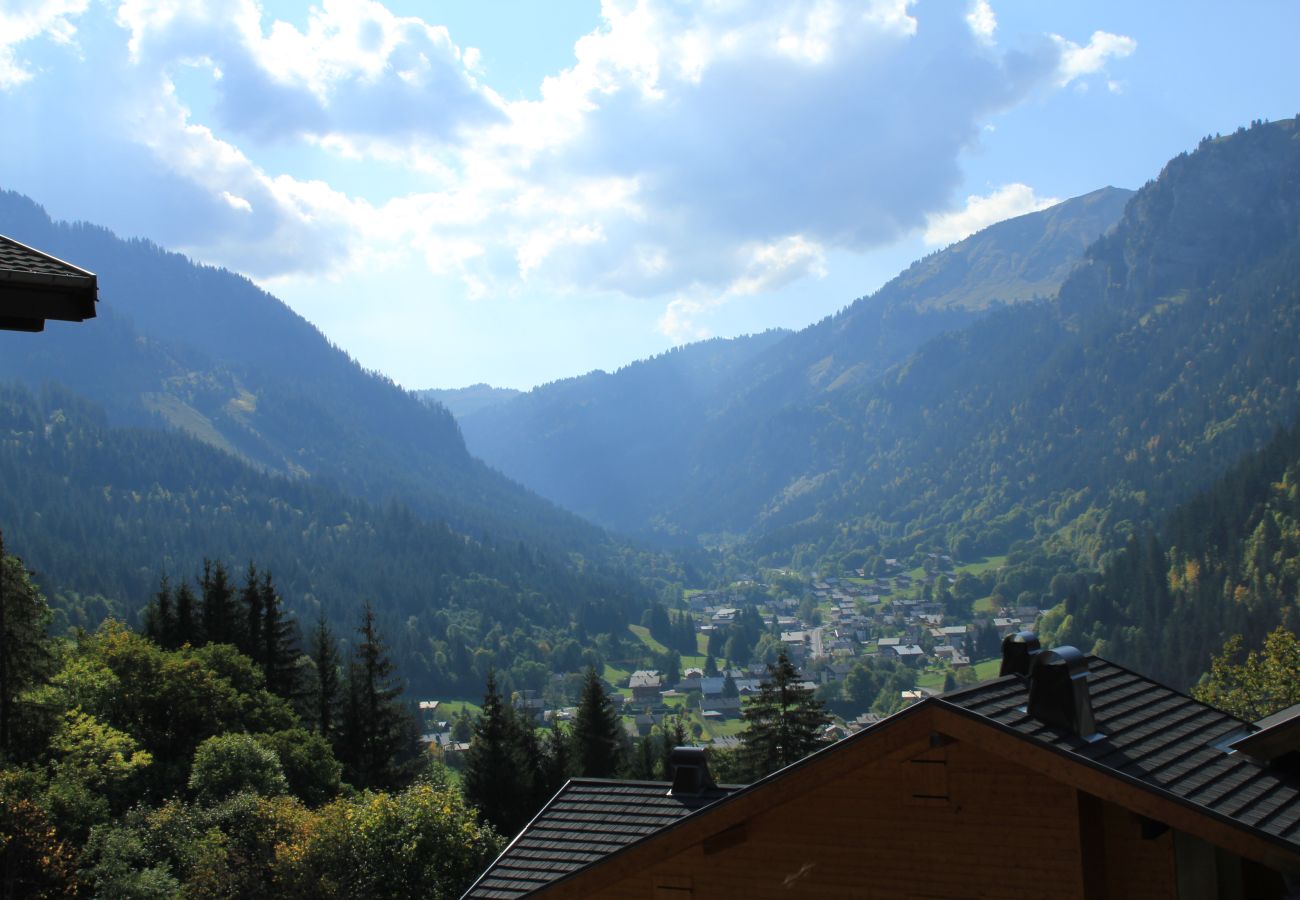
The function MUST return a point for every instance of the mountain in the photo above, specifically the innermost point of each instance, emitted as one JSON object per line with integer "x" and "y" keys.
{"x": 602, "y": 443}
{"x": 1166, "y": 356}
{"x": 1226, "y": 562}
{"x": 928, "y": 418}
{"x": 207, "y": 352}
{"x": 199, "y": 417}
{"x": 101, "y": 512}
{"x": 461, "y": 402}
{"x": 632, "y": 449}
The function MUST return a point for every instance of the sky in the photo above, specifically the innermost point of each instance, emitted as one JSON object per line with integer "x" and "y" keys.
{"x": 515, "y": 192}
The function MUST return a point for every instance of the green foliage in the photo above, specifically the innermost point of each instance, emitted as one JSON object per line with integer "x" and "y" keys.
{"x": 506, "y": 775}
{"x": 598, "y": 738}
{"x": 1258, "y": 685}
{"x": 146, "y": 496}
{"x": 376, "y": 734}
{"x": 422, "y": 842}
{"x": 224, "y": 849}
{"x": 229, "y": 764}
{"x": 167, "y": 701}
{"x": 35, "y": 861}
{"x": 1232, "y": 567}
{"x": 783, "y": 723}
{"x": 313, "y": 774}
{"x": 24, "y": 645}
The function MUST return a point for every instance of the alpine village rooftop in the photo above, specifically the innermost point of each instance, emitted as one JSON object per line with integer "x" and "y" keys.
{"x": 1068, "y": 776}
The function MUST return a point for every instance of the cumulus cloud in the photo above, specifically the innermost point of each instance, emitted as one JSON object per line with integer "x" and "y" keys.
{"x": 26, "y": 20}
{"x": 982, "y": 20}
{"x": 762, "y": 267}
{"x": 1006, "y": 202}
{"x": 698, "y": 153}
{"x": 1076, "y": 61}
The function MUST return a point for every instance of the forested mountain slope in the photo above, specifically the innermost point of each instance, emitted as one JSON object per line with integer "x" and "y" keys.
{"x": 605, "y": 444}
{"x": 463, "y": 401}
{"x": 1225, "y": 563}
{"x": 101, "y": 512}
{"x": 630, "y": 449}
{"x": 1166, "y": 357}
{"x": 206, "y": 351}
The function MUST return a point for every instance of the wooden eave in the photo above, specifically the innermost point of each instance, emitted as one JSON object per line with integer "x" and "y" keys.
{"x": 918, "y": 723}
{"x": 35, "y": 287}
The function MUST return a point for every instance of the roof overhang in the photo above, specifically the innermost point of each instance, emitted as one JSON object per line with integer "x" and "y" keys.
{"x": 915, "y": 724}
{"x": 36, "y": 287}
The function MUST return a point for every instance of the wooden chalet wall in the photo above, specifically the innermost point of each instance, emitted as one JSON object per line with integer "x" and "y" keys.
{"x": 912, "y": 815}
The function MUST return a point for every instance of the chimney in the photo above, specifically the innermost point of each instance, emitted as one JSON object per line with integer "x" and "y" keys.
{"x": 1018, "y": 651}
{"x": 1058, "y": 690}
{"x": 690, "y": 772}
{"x": 1274, "y": 741}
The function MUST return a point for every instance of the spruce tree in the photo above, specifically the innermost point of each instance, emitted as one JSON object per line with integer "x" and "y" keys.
{"x": 25, "y": 657}
{"x": 376, "y": 734}
{"x": 279, "y": 647}
{"x": 251, "y": 599}
{"x": 221, "y": 623}
{"x": 784, "y": 722}
{"x": 160, "y": 616}
{"x": 497, "y": 779}
{"x": 597, "y": 735}
{"x": 325, "y": 654}
{"x": 187, "y": 617}
{"x": 674, "y": 736}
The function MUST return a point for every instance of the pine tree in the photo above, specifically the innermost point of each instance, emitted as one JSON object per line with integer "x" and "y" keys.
{"x": 279, "y": 642}
{"x": 325, "y": 654}
{"x": 160, "y": 616}
{"x": 784, "y": 722}
{"x": 558, "y": 765}
{"x": 221, "y": 623}
{"x": 25, "y": 657}
{"x": 674, "y": 736}
{"x": 496, "y": 777}
{"x": 597, "y": 735}
{"x": 251, "y": 598}
{"x": 187, "y": 617}
{"x": 375, "y": 734}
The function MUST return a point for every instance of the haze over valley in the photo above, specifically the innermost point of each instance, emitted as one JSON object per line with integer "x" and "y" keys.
{"x": 675, "y": 396}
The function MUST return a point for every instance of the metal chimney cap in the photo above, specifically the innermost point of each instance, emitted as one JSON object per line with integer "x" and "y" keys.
{"x": 1018, "y": 651}
{"x": 690, "y": 771}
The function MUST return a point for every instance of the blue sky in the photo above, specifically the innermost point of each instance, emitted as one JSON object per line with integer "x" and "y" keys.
{"x": 515, "y": 192}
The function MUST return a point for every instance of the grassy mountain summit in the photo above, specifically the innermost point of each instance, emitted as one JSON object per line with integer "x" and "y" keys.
{"x": 631, "y": 449}
{"x": 1019, "y": 259}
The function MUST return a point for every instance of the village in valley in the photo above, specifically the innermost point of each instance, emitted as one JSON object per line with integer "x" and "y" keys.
{"x": 866, "y": 643}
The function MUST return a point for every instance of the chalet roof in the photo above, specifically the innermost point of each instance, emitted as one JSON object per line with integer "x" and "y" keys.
{"x": 1158, "y": 739}
{"x": 587, "y": 820}
{"x": 644, "y": 679}
{"x": 1160, "y": 752}
{"x": 35, "y": 286}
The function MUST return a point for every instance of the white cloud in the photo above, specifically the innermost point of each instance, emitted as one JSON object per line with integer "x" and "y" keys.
{"x": 25, "y": 21}
{"x": 698, "y": 153}
{"x": 680, "y": 320}
{"x": 982, "y": 20}
{"x": 236, "y": 202}
{"x": 1077, "y": 62}
{"x": 1006, "y": 202}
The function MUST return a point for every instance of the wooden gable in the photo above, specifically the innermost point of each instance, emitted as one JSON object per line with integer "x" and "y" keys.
{"x": 940, "y": 802}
